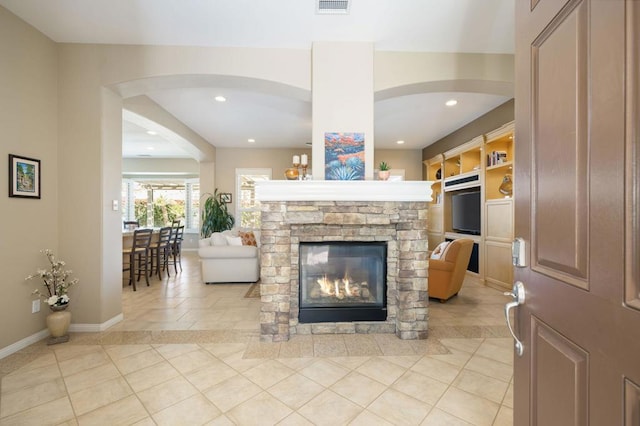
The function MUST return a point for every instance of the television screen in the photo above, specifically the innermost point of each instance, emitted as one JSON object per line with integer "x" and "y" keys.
{"x": 465, "y": 212}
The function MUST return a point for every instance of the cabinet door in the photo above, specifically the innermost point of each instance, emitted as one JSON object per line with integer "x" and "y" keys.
{"x": 499, "y": 220}
{"x": 498, "y": 269}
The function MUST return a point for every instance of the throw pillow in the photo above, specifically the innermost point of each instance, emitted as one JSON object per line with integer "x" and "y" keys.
{"x": 439, "y": 250}
{"x": 248, "y": 238}
{"x": 234, "y": 241}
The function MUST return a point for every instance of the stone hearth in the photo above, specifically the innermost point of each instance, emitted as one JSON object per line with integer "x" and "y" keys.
{"x": 286, "y": 223}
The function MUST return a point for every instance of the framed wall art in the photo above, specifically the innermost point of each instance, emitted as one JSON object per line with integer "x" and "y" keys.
{"x": 225, "y": 197}
{"x": 24, "y": 177}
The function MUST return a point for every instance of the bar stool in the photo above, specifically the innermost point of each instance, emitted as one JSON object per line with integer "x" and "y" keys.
{"x": 160, "y": 251}
{"x": 138, "y": 255}
{"x": 176, "y": 247}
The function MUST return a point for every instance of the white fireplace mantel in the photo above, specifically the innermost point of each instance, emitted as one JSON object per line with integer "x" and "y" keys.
{"x": 334, "y": 190}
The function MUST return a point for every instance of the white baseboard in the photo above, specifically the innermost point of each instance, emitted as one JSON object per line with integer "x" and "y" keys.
{"x": 95, "y": 328}
{"x": 21, "y": 344}
{"x": 86, "y": 328}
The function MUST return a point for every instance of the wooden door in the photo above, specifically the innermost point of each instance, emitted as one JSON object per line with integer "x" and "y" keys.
{"x": 576, "y": 206}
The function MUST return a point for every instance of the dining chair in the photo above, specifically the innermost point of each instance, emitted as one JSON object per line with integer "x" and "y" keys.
{"x": 138, "y": 256}
{"x": 131, "y": 224}
{"x": 160, "y": 251}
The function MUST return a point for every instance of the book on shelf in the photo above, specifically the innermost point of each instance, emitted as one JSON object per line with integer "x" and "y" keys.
{"x": 496, "y": 157}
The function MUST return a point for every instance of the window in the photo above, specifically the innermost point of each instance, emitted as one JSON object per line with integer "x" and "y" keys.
{"x": 247, "y": 207}
{"x": 156, "y": 203}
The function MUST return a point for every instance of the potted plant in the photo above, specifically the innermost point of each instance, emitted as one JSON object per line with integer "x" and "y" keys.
{"x": 56, "y": 282}
{"x": 215, "y": 216}
{"x": 384, "y": 170}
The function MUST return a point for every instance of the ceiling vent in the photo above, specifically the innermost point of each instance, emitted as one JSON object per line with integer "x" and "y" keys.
{"x": 332, "y": 7}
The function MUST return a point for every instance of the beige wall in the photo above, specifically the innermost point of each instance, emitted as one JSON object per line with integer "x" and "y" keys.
{"x": 28, "y": 119}
{"x": 481, "y": 125}
{"x": 230, "y": 159}
{"x": 406, "y": 159}
{"x": 160, "y": 166}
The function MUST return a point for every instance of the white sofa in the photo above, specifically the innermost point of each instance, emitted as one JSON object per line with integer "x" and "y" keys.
{"x": 224, "y": 263}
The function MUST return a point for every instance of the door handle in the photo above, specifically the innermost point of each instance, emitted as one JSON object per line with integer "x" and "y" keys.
{"x": 518, "y": 295}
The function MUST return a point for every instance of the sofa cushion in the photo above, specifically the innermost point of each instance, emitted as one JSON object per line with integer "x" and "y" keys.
{"x": 205, "y": 242}
{"x": 248, "y": 238}
{"x": 233, "y": 241}
{"x": 218, "y": 239}
{"x": 227, "y": 252}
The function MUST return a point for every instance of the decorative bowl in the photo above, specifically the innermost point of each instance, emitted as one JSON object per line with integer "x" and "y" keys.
{"x": 291, "y": 174}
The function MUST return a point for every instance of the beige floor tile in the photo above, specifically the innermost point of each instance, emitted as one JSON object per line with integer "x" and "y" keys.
{"x": 438, "y": 417}
{"x": 100, "y": 395}
{"x": 151, "y": 376}
{"x": 191, "y": 361}
{"x": 296, "y": 390}
{"x": 457, "y": 358}
{"x": 466, "y": 345}
{"x": 367, "y": 418}
{"x": 147, "y": 421}
{"x": 53, "y": 413}
{"x": 350, "y": 362}
{"x": 504, "y": 417}
{"x": 262, "y": 409}
{"x": 358, "y": 388}
{"x": 481, "y": 385}
{"x": 65, "y": 352}
{"x": 471, "y": 408}
{"x": 26, "y": 398}
{"x": 330, "y": 348}
{"x": 125, "y": 411}
{"x": 436, "y": 369}
{"x": 295, "y": 419}
{"x": 195, "y": 410}
{"x": 420, "y": 387}
{"x": 494, "y": 349}
{"x": 508, "y": 397}
{"x": 84, "y": 362}
{"x": 398, "y": 408}
{"x": 168, "y": 351}
{"x": 324, "y": 372}
{"x": 381, "y": 370}
{"x": 297, "y": 364}
{"x": 123, "y": 351}
{"x": 491, "y": 368}
{"x": 166, "y": 394}
{"x": 92, "y": 377}
{"x": 406, "y": 361}
{"x": 268, "y": 373}
{"x": 209, "y": 376}
{"x": 362, "y": 345}
{"x": 228, "y": 394}
{"x": 138, "y": 361}
{"x": 44, "y": 360}
{"x": 25, "y": 379}
{"x": 330, "y": 408}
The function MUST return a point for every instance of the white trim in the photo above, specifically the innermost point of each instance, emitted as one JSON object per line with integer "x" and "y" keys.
{"x": 343, "y": 190}
{"x": 94, "y": 328}
{"x": 21, "y": 344}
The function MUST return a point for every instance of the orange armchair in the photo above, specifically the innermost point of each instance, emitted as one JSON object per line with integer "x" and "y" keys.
{"x": 447, "y": 273}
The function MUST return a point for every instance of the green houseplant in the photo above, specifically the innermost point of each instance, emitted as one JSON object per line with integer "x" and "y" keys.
{"x": 384, "y": 170}
{"x": 215, "y": 216}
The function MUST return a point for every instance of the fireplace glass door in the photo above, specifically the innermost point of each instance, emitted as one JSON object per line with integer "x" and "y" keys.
{"x": 343, "y": 281}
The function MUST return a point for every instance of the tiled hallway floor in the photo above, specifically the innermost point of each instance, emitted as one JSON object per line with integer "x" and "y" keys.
{"x": 190, "y": 354}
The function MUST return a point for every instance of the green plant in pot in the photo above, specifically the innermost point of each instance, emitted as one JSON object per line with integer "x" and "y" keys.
{"x": 384, "y": 170}
{"x": 215, "y": 216}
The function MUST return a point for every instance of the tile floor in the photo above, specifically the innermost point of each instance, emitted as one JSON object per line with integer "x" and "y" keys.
{"x": 190, "y": 354}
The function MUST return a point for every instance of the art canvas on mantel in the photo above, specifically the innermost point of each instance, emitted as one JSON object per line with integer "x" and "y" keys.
{"x": 343, "y": 156}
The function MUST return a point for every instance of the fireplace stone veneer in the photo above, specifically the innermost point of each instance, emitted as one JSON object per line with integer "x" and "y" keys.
{"x": 402, "y": 224}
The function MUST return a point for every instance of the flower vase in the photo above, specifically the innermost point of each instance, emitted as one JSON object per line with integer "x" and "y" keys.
{"x": 58, "y": 323}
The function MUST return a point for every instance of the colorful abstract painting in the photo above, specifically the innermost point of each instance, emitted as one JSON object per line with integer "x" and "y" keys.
{"x": 343, "y": 156}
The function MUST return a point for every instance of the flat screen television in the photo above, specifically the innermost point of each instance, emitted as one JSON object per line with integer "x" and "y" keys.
{"x": 465, "y": 212}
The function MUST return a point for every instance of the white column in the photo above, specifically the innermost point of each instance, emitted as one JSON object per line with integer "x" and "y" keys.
{"x": 342, "y": 88}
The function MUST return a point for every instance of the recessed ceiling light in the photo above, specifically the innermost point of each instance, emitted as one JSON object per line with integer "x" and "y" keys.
{"x": 220, "y": 98}
{"x": 451, "y": 102}
{"x": 400, "y": 142}
{"x": 150, "y": 148}
{"x": 151, "y": 132}
{"x": 251, "y": 140}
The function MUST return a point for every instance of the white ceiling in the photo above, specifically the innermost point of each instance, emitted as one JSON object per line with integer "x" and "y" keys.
{"x": 478, "y": 26}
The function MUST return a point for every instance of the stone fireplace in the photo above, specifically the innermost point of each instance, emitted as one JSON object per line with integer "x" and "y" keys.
{"x": 295, "y": 214}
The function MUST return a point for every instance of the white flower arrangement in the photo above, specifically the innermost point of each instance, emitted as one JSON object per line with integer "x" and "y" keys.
{"x": 56, "y": 281}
